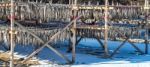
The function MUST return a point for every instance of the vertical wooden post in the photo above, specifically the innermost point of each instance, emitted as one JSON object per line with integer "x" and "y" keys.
{"x": 70, "y": 1}
{"x": 106, "y": 29}
{"x": 74, "y": 31}
{"x": 22, "y": 17}
{"x": 146, "y": 33}
{"x": 50, "y": 1}
{"x": 44, "y": 13}
{"x": 146, "y": 42}
{"x": 12, "y": 35}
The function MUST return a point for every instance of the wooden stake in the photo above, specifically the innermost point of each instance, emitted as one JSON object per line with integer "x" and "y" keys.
{"x": 12, "y": 35}
{"x": 74, "y": 32}
{"x": 146, "y": 40}
{"x": 106, "y": 29}
{"x": 146, "y": 33}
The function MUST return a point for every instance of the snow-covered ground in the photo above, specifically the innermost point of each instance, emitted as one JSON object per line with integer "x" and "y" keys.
{"x": 88, "y": 54}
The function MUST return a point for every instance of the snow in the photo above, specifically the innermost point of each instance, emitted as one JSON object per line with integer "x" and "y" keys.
{"x": 115, "y": 65}
{"x": 89, "y": 53}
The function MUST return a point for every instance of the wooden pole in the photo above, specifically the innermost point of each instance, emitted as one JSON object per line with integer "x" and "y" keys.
{"x": 74, "y": 31}
{"x": 146, "y": 33}
{"x": 100, "y": 42}
{"x": 12, "y": 35}
{"x": 45, "y": 44}
{"x": 50, "y": 1}
{"x": 106, "y": 29}
{"x": 70, "y": 1}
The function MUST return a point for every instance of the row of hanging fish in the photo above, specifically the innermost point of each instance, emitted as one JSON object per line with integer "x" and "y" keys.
{"x": 24, "y": 38}
{"x": 114, "y": 33}
{"x": 127, "y": 13}
{"x": 89, "y": 33}
{"x": 63, "y": 12}
{"x": 39, "y": 11}
{"x": 114, "y": 13}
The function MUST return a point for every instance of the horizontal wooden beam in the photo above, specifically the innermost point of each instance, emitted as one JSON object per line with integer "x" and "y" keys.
{"x": 79, "y": 6}
{"x": 5, "y": 5}
{"x": 147, "y": 7}
{"x": 93, "y": 7}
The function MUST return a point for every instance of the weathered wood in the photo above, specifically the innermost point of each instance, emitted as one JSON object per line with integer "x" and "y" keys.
{"x": 74, "y": 32}
{"x": 130, "y": 42}
{"x": 55, "y": 12}
{"x": 147, "y": 33}
{"x": 6, "y": 58}
{"x": 135, "y": 47}
{"x": 146, "y": 47}
{"x": 41, "y": 46}
{"x": 100, "y": 42}
{"x": 12, "y": 32}
{"x": 53, "y": 37}
{"x": 70, "y": 43}
{"x": 106, "y": 29}
{"x": 115, "y": 51}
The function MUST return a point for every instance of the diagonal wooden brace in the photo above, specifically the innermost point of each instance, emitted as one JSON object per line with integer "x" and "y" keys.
{"x": 46, "y": 44}
{"x": 135, "y": 47}
{"x": 130, "y": 41}
{"x": 100, "y": 42}
{"x": 119, "y": 47}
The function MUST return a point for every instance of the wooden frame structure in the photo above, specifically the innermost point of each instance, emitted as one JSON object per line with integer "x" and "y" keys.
{"x": 74, "y": 27}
